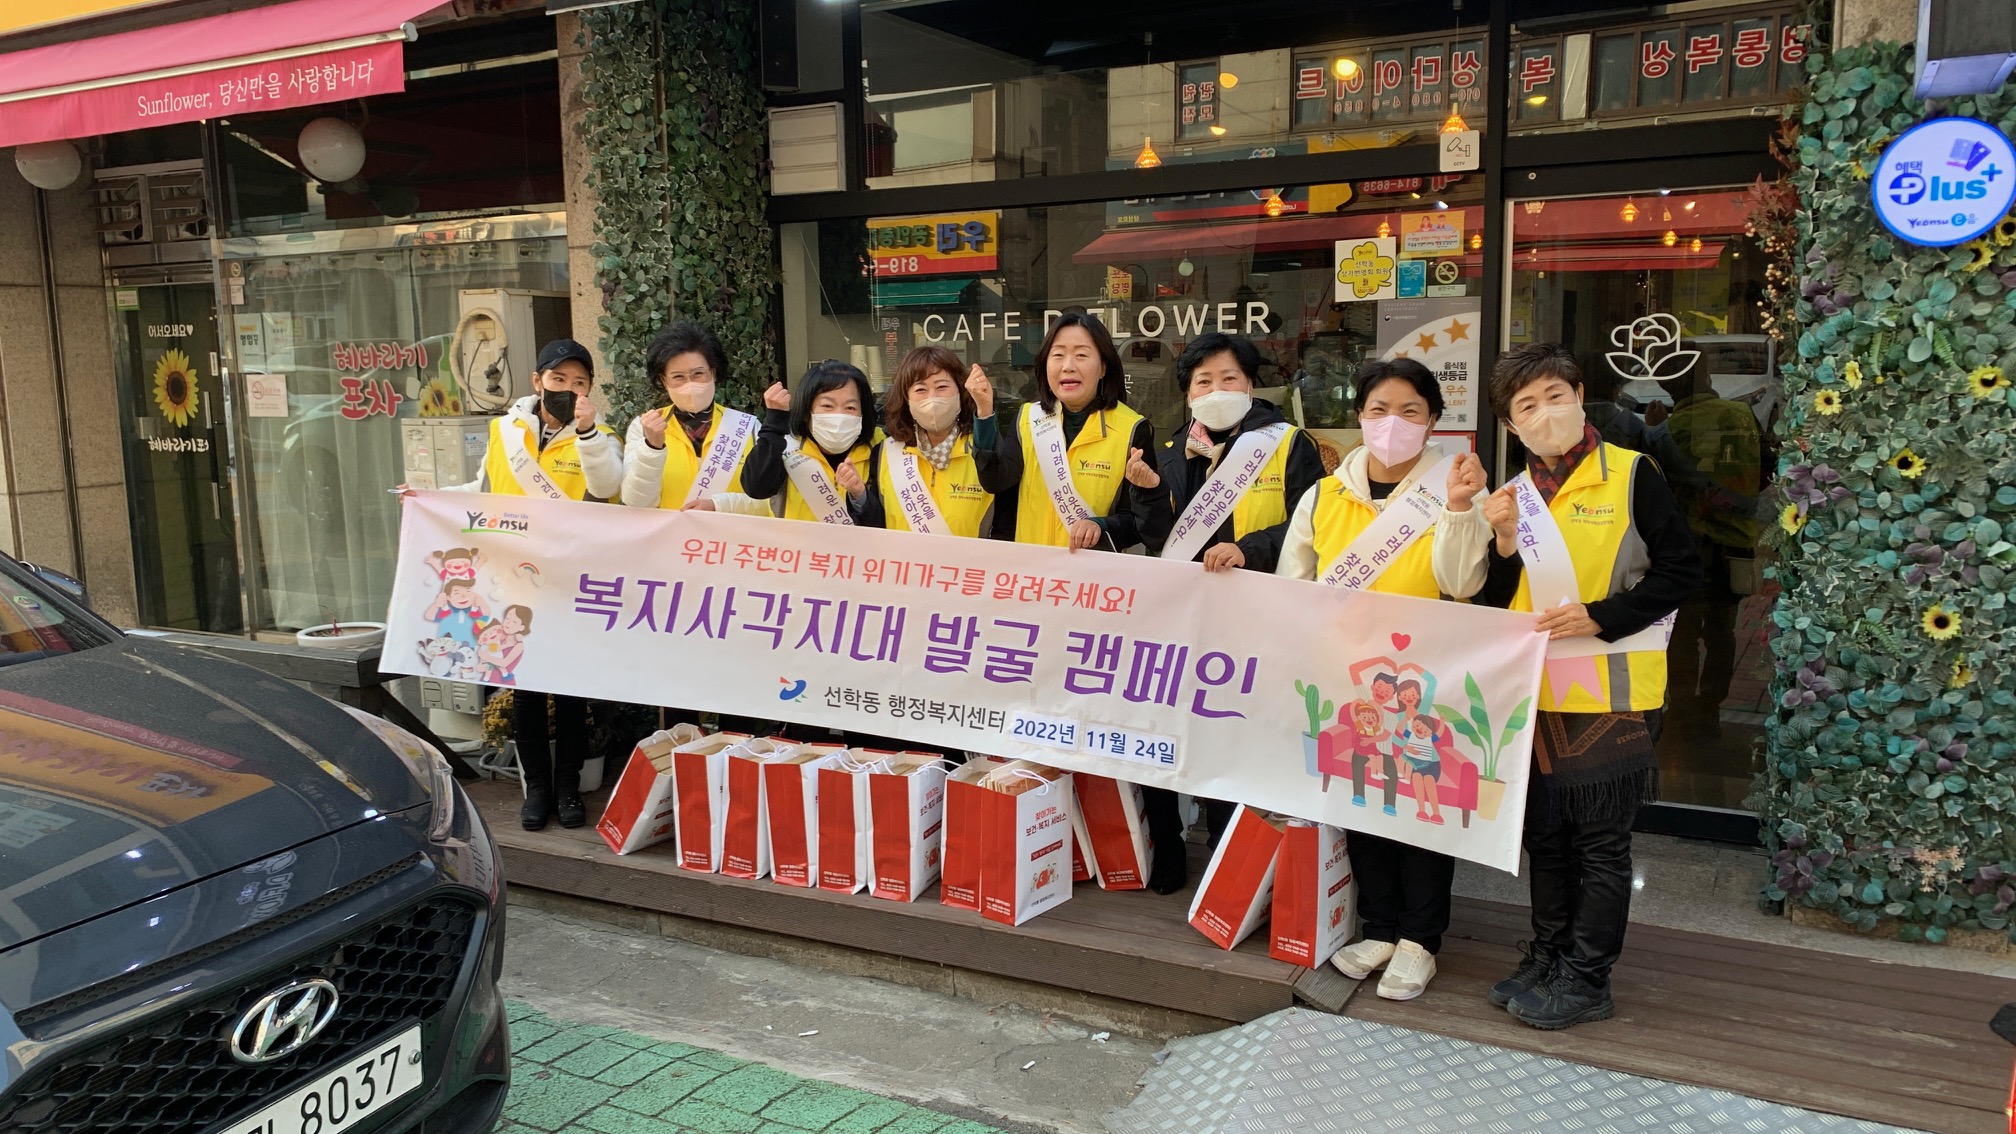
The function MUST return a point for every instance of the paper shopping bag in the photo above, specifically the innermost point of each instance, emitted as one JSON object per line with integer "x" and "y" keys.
{"x": 1239, "y": 883}
{"x": 1081, "y": 870}
{"x": 1025, "y": 864}
{"x": 965, "y": 812}
{"x": 640, "y": 808}
{"x": 906, "y": 825}
{"x": 791, "y": 811}
{"x": 843, "y": 821}
{"x": 1315, "y": 895}
{"x": 745, "y": 841}
{"x": 1109, "y": 816}
{"x": 700, "y": 799}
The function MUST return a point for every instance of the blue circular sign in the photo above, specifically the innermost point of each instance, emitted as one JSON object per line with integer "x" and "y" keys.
{"x": 1945, "y": 181}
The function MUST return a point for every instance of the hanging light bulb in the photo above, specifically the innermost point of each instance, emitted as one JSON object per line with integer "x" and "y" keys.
{"x": 1670, "y": 239}
{"x": 1454, "y": 124}
{"x": 1476, "y": 241}
{"x": 1344, "y": 68}
{"x": 1227, "y": 79}
{"x": 1184, "y": 267}
{"x": 1385, "y": 229}
{"x": 1275, "y": 205}
{"x": 1694, "y": 245}
{"x": 1147, "y": 158}
{"x": 1629, "y": 212}
{"x": 1217, "y": 131}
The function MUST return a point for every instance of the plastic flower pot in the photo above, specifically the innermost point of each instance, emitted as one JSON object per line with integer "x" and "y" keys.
{"x": 344, "y": 635}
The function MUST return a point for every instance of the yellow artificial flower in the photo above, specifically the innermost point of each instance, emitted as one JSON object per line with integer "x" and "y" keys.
{"x": 175, "y": 387}
{"x": 1939, "y": 624}
{"x": 2005, "y": 232}
{"x": 1827, "y": 403}
{"x": 1908, "y": 464}
{"x": 1851, "y": 375}
{"x": 1985, "y": 380}
{"x": 1984, "y": 255}
{"x": 1963, "y": 675}
{"x": 1791, "y": 520}
{"x": 433, "y": 401}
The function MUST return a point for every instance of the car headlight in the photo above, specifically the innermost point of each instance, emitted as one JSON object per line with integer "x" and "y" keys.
{"x": 426, "y": 763}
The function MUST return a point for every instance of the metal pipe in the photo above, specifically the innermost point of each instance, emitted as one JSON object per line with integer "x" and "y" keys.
{"x": 46, "y": 236}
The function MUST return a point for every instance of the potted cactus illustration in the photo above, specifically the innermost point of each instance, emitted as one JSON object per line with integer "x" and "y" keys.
{"x": 1319, "y": 711}
{"x": 1475, "y": 727}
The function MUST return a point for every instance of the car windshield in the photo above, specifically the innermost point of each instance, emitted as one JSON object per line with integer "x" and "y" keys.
{"x": 36, "y": 624}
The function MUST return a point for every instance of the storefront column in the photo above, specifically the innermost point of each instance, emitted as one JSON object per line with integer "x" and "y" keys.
{"x": 1859, "y": 21}
{"x": 58, "y": 506}
{"x": 588, "y": 303}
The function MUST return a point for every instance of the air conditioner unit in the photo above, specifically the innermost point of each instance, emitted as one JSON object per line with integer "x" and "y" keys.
{"x": 497, "y": 339}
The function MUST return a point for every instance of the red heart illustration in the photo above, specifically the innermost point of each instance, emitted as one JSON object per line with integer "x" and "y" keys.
{"x": 1402, "y": 641}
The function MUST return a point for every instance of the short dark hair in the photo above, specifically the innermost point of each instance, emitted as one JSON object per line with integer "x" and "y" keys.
{"x": 1217, "y": 342}
{"x": 921, "y": 363}
{"x": 1377, "y": 370}
{"x": 1526, "y": 364}
{"x": 681, "y": 338}
{"x": 1112, "y": 384}
{"x": 831, "y": 374}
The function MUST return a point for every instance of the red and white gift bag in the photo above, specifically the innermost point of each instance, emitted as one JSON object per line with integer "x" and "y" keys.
{"x": 640, "y": 808}
{"x": 700, "y": 799}
{"x": 1238, "y": 886}
{"x": 745, "y": 844}
{"x": 1025, "y": 842}
{"x": 843, "y": 821}
{"x": 1109, "y": 821}
{"x": 906, "y": 824}
{"x": 1315, "y": 895}
{"x": 791, "y": 812}
{"x": 966, "y": 805}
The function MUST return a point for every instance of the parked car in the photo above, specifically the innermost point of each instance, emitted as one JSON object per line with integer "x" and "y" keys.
{"x": 227, "y": 904}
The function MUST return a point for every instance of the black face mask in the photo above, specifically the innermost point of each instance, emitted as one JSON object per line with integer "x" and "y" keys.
{"x": 559, "y": 404}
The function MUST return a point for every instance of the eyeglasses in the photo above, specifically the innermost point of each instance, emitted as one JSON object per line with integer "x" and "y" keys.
{"x": 675, "y": 379}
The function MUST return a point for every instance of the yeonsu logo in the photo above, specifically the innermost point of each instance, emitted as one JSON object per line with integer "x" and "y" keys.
{"x": 506, "y": 523}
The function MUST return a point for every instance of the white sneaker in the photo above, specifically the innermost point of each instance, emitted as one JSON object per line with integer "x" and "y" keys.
{"x": 1408, "y": 975}
{"x": 1360, "y": 960}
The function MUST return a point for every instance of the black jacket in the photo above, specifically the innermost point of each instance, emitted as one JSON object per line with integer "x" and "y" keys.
{"x": 763, "y": 474}
{"x": 1185, "y": 473}
{"x": 1138, "y": 515}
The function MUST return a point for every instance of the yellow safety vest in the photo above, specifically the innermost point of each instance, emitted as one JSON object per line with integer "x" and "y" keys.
{"x": 795, "y": 507}
{"x": 956, "y": 490}
{"x": 1266, "y": 501}
{"x": 1339, "y": 517}
{"x": 1594, "y": 511}
{"x": 1098, "y": 460}
{"x": 561, "y": 459}
{"x": 682, "y": 464}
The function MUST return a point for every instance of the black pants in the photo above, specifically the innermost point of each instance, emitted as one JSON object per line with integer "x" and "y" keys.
{"x": 728, "y": 723}
{"x": 1403, "y": 891}
{"x": 561, "y": 772}
{"x": 1581, "y": 882}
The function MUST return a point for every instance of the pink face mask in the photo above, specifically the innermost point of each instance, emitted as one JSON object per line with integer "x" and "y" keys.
{"x": 1393, "y": 439}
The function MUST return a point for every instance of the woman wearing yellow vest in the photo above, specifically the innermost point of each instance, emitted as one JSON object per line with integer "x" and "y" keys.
{"x": 1076, "y": 452}
{"x": 930, "y": 476}
{"x": 708, "y": 446}
{"x": 1593, "y": 529}
{"x": 552, "y": 444}
{"x": 813, "y": 458}
{"x": 1403, "y": 890}
{"x": 1262, "y": 465}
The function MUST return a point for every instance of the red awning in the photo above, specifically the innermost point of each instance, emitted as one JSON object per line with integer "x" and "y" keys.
{"x": 298, "y": 53}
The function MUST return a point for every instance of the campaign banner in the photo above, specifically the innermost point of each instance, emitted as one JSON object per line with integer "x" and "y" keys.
{"x": 1403, "y": 717}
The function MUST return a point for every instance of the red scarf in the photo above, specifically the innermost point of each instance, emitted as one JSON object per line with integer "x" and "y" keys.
{"x": 1549, "y": 481}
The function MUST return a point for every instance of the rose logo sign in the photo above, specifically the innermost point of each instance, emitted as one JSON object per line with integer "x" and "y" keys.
{"x": 1650, "y": 349}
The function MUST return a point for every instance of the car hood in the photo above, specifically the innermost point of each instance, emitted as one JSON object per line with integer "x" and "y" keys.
{"x": 140, "y": 767}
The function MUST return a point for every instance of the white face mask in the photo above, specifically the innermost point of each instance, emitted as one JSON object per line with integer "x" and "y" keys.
{"x": 935, "y": 415}
{"x": 836, "y": 432}
{"x": 1393, "y": 439}
{"x": 693, "y": 396}
{"x": 1221, "y": 409}
{"x": 1553, "y": 430}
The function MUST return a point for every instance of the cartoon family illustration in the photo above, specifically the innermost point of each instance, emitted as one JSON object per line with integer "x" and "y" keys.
{"x": 469, "y": 644}
{"x": 1391, "y": 738}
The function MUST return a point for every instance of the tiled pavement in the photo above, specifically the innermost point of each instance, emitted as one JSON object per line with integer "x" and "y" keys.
{"x": 571, "y": 1078}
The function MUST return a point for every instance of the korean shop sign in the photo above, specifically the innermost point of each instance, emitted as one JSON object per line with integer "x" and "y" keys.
{"x": 942, "y": 245}
{"x": 1944, "y": 182}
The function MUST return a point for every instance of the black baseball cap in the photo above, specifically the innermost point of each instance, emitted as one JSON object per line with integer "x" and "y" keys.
{"x": 561, "y": 350}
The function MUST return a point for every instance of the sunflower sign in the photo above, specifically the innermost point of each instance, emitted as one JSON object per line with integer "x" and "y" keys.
{"x": 175, "y": 387}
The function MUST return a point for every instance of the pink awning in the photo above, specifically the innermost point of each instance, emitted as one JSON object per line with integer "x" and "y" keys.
{"x": 298, "y": 53}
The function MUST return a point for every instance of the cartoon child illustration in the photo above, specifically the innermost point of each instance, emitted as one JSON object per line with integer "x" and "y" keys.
{"x": 1385, "y": 705}
{"x": 501, "y": 645}
{"x": 459, "y": 611}
{"x": 1369, "y": 739}
{"x": 455, "y": 563}
{"x": 1423, "y": 740}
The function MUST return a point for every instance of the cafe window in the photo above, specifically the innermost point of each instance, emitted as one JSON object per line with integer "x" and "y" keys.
{"x": 1657, "y": 295}
{"x": 1321, "y": 278}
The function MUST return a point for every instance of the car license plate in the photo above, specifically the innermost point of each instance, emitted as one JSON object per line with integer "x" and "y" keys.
{"x": 360, "y": 1086}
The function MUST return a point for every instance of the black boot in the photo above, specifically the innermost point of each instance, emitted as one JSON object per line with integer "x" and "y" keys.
{"x": 1537, "y": 966}
{"x": 538, "y": 807}
{"x": 1169, "y": 865}
{"x": 567, "y": 799}
{"x": 535, "y": 764}
{"x": 1562, "y": 1002}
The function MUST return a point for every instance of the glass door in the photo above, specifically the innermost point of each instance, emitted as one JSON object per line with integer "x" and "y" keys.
{"x": 179, "y": 492}
{"x": 1657, "y": 296}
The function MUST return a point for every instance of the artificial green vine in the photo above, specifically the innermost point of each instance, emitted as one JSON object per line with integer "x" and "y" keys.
{"x": 675, "y": 132}
{"x": 1891, "y": 751}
